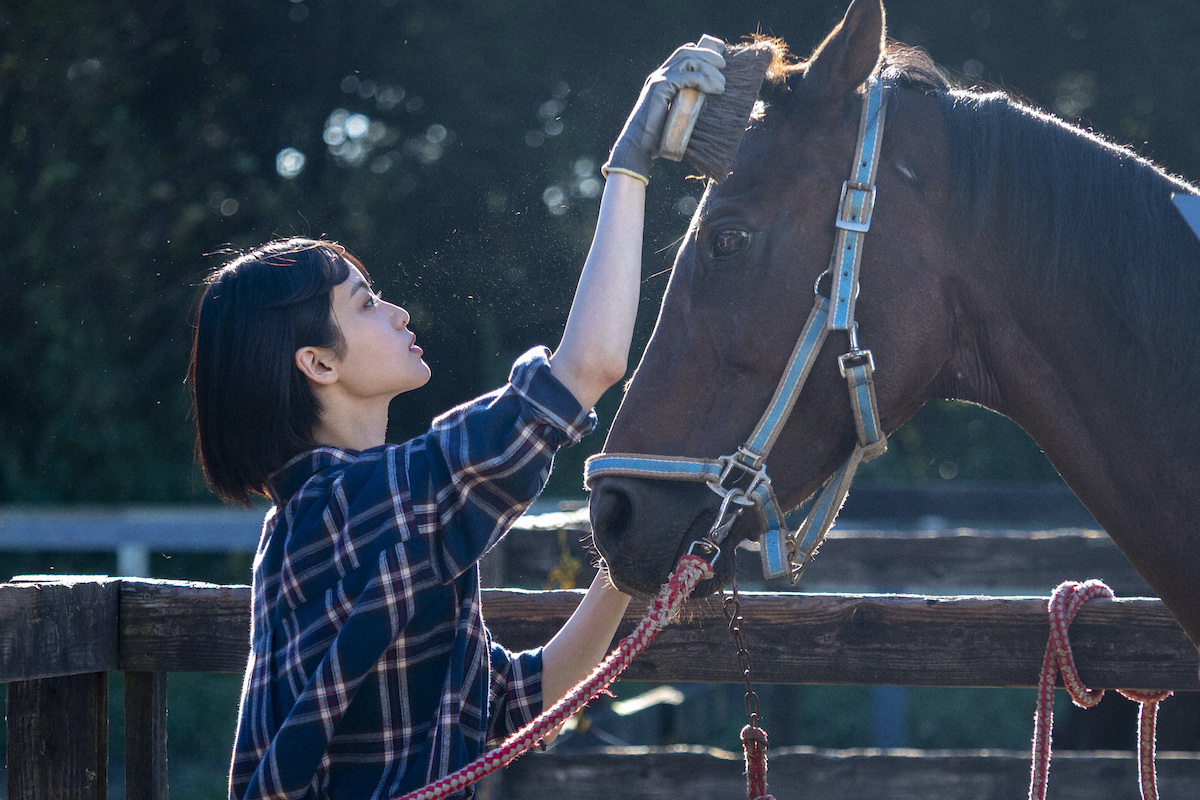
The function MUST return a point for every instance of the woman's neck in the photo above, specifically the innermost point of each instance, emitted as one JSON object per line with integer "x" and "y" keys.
{"x": 351, "y": 426}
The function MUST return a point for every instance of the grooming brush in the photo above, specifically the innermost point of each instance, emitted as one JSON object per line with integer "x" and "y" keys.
{"x": 708, "y": 130}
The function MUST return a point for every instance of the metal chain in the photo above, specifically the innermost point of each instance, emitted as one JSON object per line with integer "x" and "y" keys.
{"x": 731, "y": 605}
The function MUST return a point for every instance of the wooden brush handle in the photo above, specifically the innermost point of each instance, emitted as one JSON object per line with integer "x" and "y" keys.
{"x": 684, "y": 111}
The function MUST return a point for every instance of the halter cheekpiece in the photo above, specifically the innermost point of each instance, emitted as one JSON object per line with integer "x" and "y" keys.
{"x": 740, "y": 478}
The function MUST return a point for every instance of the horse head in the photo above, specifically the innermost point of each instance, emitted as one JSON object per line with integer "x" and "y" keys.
{"x": 741, "y": 289}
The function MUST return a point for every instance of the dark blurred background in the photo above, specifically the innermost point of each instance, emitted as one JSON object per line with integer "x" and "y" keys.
{"x": 455, "y": 147}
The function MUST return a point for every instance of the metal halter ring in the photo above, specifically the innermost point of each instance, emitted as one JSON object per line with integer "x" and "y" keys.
{"x": 730, "y": 496}
{"x": 750, "y": 463}
{"x": 828, "y": 273}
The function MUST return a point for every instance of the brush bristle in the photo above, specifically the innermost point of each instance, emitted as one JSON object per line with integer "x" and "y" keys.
{"x": 722, "y": 122}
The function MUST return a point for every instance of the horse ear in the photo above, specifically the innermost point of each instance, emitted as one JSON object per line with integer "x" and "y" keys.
{"x": 850, "y": 53}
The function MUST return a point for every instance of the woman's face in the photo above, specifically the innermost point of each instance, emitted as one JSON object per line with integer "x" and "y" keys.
{"x": 381, "y": 358}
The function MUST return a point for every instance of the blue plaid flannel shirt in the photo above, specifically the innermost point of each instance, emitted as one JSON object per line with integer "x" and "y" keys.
{"x": 371, "y": 672}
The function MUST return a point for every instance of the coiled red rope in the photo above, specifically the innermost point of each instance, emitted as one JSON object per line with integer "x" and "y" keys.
{"x": 665, "y": 607}
{"x": 1064, "y": 604}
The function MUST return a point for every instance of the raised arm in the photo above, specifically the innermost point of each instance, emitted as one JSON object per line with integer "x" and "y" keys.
{"x": 594, "y": 351}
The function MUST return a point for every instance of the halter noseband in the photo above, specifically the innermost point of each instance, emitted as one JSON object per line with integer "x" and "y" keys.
{"x": 740, "y": 478}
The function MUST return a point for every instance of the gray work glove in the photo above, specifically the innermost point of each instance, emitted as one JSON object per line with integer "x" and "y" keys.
{"x": 638, "y": 145}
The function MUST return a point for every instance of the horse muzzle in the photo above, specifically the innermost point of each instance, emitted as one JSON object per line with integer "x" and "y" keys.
{"x": 643, "y": 526}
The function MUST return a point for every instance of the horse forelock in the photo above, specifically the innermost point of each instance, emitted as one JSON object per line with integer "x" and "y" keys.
{"x": 782, "y": 61}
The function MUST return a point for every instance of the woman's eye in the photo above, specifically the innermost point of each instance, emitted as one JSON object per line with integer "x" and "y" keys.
{"x": 729, "y": 242}
{"x": 373, "y": 300}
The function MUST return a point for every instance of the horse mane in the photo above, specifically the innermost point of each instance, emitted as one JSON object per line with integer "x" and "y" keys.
{"x": 1076, "y": 210}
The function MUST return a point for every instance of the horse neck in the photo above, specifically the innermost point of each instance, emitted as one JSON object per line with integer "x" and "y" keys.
{"x": 1061, "y": 369}
{"x": 1058, "y": 362}
{"x": 1080, "y": 291}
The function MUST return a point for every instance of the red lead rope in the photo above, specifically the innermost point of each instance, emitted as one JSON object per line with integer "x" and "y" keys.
{"x": 1064, "y": 605}
{"x": 664, "y": 608}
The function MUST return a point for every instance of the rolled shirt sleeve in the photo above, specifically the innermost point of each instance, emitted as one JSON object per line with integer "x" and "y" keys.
{"x": 484, "y": 462}
{"x": 515, "y": 696}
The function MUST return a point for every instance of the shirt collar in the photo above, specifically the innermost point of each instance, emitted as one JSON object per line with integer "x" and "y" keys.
{"x": 287, "y": 480}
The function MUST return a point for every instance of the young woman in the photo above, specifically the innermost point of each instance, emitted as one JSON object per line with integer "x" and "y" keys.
{"x": 371, "y": 672}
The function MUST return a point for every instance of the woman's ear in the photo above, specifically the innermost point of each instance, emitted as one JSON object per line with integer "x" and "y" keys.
{"x": 317, "y": 364}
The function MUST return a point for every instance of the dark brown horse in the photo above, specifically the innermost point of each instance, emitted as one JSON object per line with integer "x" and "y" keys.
{"x": 1012, "y": 261}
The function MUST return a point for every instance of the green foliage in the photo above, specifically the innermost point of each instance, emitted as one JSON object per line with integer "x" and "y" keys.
{"x": 141, "y": 138}
{"x": 200, "y": 730}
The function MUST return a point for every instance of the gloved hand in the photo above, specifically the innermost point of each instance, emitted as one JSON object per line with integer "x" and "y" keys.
{"x": 638, "y": 145}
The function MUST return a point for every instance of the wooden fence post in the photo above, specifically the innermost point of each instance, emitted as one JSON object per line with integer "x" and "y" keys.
{"x": 57, "y": 642}
{"x": 58, "y": 738}
{"x": 146, "y": 736}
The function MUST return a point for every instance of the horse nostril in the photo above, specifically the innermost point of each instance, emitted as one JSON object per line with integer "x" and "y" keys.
{"x": 612, "y": 516}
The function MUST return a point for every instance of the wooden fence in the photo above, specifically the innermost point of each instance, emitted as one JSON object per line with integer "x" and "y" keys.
{"x": 61, "y": 636}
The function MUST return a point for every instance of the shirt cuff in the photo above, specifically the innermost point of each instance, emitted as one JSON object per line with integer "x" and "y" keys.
{"x": 516, "y": 691}
{"x": 553, "y": 402}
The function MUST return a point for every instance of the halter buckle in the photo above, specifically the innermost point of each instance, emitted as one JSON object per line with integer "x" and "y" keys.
{"x": 850, "y": 217}
{"x": 855, "y": 355}
{"x": 795, "y": 562}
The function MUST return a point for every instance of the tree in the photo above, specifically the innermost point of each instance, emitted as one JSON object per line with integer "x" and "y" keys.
{"x": 454, "y": 146}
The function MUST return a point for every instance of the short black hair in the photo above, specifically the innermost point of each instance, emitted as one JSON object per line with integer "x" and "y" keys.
{"x": 254, "y": 408}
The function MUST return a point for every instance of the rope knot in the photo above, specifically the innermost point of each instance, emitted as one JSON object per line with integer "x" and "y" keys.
{"x": 753, "y": 736}
{"x": 692, "y": 565}
{"x": 1064, "y": 604}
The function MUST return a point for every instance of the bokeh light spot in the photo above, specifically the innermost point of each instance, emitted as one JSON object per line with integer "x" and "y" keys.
{"x": 289, "y": 162}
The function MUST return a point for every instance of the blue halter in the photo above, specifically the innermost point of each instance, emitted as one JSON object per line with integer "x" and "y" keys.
{"x": 740, "y": 479}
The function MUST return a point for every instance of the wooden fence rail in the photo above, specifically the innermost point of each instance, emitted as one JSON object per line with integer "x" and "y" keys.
{"x": 794, "y": 638}
{"x": 168, "y": 626}
{"x": 704, "y": 774}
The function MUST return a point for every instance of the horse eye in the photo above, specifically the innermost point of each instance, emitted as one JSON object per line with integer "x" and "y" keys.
{"x": 729, "y": 242}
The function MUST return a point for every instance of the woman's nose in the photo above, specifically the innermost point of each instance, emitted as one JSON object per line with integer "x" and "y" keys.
{"x": 400, "y": 317}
